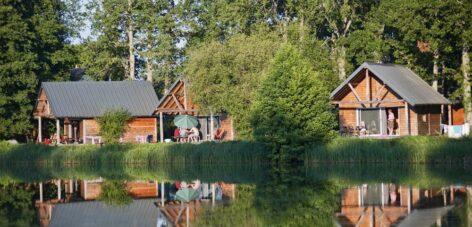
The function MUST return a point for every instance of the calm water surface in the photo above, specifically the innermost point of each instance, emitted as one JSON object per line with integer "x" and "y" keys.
{"x": 236, "y": 196}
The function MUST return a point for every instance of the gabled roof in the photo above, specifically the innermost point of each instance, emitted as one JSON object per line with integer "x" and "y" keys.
{"x": 403, "y": 81}
{"x": 168, "y": 92}
{"x": 141, "y": 212}
{"x": 87, "y": 99}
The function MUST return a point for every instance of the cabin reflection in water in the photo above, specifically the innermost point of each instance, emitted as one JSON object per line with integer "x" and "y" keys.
{"x": 394, "y": 205}
{"x": 76, "y": 203}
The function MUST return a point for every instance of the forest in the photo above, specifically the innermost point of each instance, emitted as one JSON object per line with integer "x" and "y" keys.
{"x": 238, "y": 55}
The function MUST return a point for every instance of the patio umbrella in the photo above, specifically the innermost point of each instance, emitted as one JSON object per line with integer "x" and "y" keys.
{"x": 187, "y": 195}
{"x": 185, "y": 121}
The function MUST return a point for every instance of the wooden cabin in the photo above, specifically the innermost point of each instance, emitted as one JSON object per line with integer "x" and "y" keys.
{"x": 177, "y": 101}
{"x": 367, "y": 95}
{"x": 74, "y": 106}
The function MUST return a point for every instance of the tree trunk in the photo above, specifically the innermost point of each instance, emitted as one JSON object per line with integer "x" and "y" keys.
{"x": 302, "y": 29}
{"x": 467, "y": 85}
{"x": 149, "y": 69}
{"x": 435, "y": 70}
{"x": 341, "y": 62}
{"x": 130, "y": 41}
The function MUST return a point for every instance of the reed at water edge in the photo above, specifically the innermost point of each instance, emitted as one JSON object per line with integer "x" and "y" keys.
{"x": 236, "y": 152}
{"x": 404, "y": 150}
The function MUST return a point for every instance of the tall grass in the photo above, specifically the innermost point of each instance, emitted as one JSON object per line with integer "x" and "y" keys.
{"x": 144, "y": 154}
{"x": 418, "y": 149}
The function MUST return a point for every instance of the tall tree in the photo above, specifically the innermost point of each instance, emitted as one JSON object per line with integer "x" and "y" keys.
{"x": 224, "y": 77}
{"x": 33, "y": 42}
{"x": 292, "y": 107}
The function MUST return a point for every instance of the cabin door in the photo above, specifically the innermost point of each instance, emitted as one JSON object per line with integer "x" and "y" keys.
{"x": 373, "y": 119}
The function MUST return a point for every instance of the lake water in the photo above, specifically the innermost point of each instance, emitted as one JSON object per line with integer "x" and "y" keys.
{"x": 236, "y": 196}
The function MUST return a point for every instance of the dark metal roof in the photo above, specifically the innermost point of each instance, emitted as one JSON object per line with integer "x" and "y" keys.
{"x": 87, "y": 99}
{"x": 403, "y": 81}
{"x": 95, "y": 213}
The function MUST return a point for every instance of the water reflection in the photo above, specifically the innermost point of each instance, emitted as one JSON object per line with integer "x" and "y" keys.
{"x": 98, "y": 202}
{"x": 331, "y": 196}
{"x": 396, "y": 205}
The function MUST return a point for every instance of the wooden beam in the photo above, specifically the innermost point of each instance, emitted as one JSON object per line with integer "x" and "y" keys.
{"x": 177, "y": 102}
{"x": 185, "y": 95}
{"x": 377, "y": 94}
{"x": 165, "y": 110}
{"x": 161, "y": 127}
{"x": 40, "y": 130}
{"x": 369, "y": 102}
{"x": 449, "y": 113}
{"x": 407, "y": 119}
{"x": 355, "y": 93}
{"x": 58, "y": 131}
{"x": 367, "y": 90}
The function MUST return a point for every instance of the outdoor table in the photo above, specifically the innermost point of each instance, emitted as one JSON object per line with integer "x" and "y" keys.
{"x": 93, "y": 138}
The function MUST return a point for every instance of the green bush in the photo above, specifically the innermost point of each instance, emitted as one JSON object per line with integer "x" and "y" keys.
{"x": 292, "y": 107}
{"x": 113, "y": 193}
{"x": 113, "y": 124}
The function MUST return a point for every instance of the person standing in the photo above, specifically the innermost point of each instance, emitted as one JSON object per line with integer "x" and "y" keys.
{"x": 390, "y": 122}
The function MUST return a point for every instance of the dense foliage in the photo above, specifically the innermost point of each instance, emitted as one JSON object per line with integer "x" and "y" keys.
{"x": 220, "y": 74}
{"x": 33, "y": 48}
{"x": 225, "y": 45}
{"x": 16, "y": 206}
{"x": 292, "y": 107}
{"x": 114, "y": 193}
{"x": 113, "y": 124}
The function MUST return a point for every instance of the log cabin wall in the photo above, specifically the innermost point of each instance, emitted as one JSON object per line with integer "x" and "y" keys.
{"x": 428, "y": 119}
{"x": 135, "y": 127}
{"x": 369, "y": 88}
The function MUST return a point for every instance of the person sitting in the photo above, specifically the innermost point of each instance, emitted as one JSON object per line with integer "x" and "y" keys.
{"x": 177, "y": 134}
{"x": 362, "y": 129}
{"x": 194, "y": 135}
{"x": 183, "y": 134}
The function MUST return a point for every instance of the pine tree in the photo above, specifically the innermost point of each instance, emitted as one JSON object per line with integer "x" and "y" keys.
{"x": 33, "y": 41}
{"x": 292, "y": 107}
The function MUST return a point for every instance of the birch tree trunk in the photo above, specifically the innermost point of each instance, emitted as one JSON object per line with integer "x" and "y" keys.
{"x": 149, "y": 69}
{"x": 435, "y": 70}
{"x": 130, "y": 41}
{"x": 467, "y": 85}
{"x": 341, "y": 62}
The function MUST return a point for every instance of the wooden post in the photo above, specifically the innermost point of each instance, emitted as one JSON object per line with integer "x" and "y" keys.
{"x": 59, "y": 189}
{"x": 188, "y": 216}
{"x": 213, "y": 194}
{"x": 162, "y": 194}
{"x": 407, "y": 119}
{"x": 212, "y": 124}
{"x": 157, "y": 188}
{"x": 155, "y": 130}
{"x": 185, "y": 95}
{"x": 40, "y": 192}
{"x": 161, "y": 127}
{"x": 383, "y": 192}
{"x": 84, "y": 132}
{"x": 85, "y": 189}
{"x": 359, "y": 196}
{"x": 449, "y": 113}
{"x": 409, "y": 199}
{"x": 70, "y": 131}
{"x": 71, "y": 186}
{"x": 40, "y": 130}
{"x": 367, "y": 90}
{"x": 58, "y": 131}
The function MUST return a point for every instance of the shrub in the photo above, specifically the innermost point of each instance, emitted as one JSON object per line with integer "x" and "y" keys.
{"x": 113, "y": 124}
{"x": 292, "y": 107}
